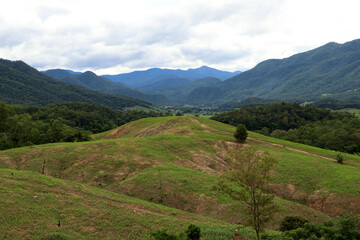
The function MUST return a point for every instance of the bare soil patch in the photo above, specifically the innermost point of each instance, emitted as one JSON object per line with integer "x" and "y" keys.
{"x": 287, "y": 191}
{"x": 7, "y": 161}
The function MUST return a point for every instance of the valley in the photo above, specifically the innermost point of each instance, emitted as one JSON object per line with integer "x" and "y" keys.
{"x": 132, "y": 155}
{"x": 179, "y": 120}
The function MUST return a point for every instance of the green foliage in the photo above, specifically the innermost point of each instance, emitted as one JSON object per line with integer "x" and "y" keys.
{"x": 24, "y": 85}
{"x": 249, "y": 102}
{"x": 241, "y": 133}
{"x": 335, "y": 104}
{"x": 5, "y": 112}
{"x": 179, "y": 94}
{"x": 292, "y": 222}
{"x": 59, "y": 122}
{"x": 348, "y": 226}
{"x": 164, "y": 235}
{"x": 345, "y": 230}
{"x": 339, "y": 135}
{"x": 283, "y": 116}
{"x": 247, "y": 182}
{"x": 87, "y": 116}
{"x": 22, "y": 130}
{"x": 308, "y": 125}
{"x": 91, "y": 81}
{"x": 332, "y": 69}
{"x": 274, "y": 236}
{"x": 264, "y": 131}
{"x": 193, "y": 232}
{"x": 339, "y": 158}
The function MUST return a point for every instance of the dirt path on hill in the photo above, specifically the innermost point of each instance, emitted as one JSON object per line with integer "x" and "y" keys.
{"x": 291, "y": 149}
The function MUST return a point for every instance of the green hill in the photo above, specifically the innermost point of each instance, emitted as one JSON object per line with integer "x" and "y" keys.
{"x": 330, "y": 70}
{"x": 33, "y": 206}
{"x": 176, "y": 162}
{"x": 24, "y": 85}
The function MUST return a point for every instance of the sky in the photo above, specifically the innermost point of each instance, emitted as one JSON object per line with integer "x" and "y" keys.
{"x": 118, "y": 36}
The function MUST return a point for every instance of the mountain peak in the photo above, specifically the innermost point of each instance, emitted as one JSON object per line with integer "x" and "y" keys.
{"x": 89, "y": 73}
{"x": 205, "y": 67}
{"x": 138, "y": 79}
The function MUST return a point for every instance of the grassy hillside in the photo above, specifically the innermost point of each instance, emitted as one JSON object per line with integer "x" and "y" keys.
{"x": 176, "y": 161}
{"x": 33, "y": 205}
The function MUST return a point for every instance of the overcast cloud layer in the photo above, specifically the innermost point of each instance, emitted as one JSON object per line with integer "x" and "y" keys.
{"x": 115, "y": 36}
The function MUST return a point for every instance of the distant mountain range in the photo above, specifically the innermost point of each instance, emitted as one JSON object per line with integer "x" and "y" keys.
{"x": 24, "y": 85}
{"x": 331, "y": 70}
{"x": 139, "y": 79}
{"x": 180, "y": 94}
{"x": 91, "y": 81}
{"x": 165, "y": 90}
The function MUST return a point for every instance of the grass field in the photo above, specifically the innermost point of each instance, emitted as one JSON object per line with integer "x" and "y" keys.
{"x": 354, "y": 111}
{"x": 176, "y": 161}
{"x": 33, "y": 204}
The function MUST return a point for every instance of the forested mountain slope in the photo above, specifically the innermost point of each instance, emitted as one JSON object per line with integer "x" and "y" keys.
{"x": 24, "y": 85}
{"x": 137, "y": 79}
{"x": 91, "y": 81}
{"x": 330, "y": 70}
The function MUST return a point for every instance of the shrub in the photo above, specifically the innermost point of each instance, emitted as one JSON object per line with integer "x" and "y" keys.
{"x": 340, "y": 158}
{"x": 274, "y": 236}
{"x": 292, "y": 222}
{"x": 346, "y": 229}
{"x": 348, "y": 224}
{"x": 193, "y": 232}
{"x": 241, "y": 133}
{"x": 163, "y": 235}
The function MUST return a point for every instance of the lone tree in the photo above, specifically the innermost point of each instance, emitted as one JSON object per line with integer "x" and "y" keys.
{"x": 241, "y": 133}
{"x": 247, "y": 182}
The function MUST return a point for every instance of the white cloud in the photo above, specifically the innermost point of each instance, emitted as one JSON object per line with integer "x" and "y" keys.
{"x": 114, "y": 36}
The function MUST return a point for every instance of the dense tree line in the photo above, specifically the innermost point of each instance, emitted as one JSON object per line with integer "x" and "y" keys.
{"x": 59, "y": 122}
{"x": 309, "y": 125}
{"x": 345, "y": 229}
{"x": 336, "y": 104}
{"x": 340, "y": 135}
